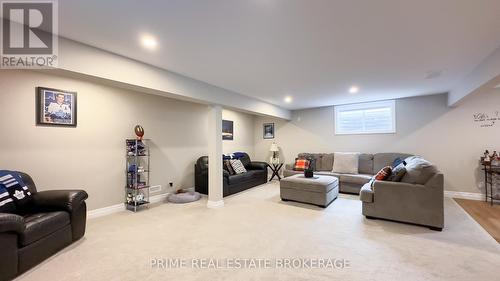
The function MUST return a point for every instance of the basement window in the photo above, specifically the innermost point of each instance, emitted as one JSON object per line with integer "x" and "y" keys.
{"x": 366, "y": 118}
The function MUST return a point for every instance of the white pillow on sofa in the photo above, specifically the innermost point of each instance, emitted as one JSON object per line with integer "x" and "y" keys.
{"x": 345, "y": 162}
{"x": 238, "y": 166}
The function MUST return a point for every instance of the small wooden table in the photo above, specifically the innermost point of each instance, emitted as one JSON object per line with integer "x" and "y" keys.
{"x": 275, "y": 168}
{"x": 490, "y": 172}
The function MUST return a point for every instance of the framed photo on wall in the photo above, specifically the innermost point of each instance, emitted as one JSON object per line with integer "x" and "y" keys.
{"x": 268, "y": 130}
{"x": 55, "y": 107}
{"x": 227, "y": 130}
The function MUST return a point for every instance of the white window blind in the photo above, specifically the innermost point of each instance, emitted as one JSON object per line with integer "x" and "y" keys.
{"x": 366, "y": 118}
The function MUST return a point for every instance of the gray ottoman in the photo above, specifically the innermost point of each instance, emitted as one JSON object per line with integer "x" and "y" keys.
{"x": 319, "y": 190}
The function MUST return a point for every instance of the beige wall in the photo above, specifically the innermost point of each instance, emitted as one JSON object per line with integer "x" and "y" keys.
{"x": 91, "y": 156}
{"x": 243, "y": 137}
{"x": 425, "y": 126}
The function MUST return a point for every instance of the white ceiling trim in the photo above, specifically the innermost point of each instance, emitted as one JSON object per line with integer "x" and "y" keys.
{"x": 485, "y": 73}
{"x": 77, "y": 58}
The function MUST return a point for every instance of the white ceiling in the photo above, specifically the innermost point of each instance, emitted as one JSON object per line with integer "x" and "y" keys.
{"x": 311, "y": 50}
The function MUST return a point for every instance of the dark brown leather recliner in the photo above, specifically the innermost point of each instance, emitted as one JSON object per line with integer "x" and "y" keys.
{"x": 53, "y": 220}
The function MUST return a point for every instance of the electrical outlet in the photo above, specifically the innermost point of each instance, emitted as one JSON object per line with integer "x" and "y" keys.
{"x": 155, "y": 188}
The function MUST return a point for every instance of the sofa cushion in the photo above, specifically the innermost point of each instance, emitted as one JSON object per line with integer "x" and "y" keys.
{"x": 355, "y": 178}
{"x": 241, "y": 177}
{"x": 238, "y": 166}
{"x": 326, "y": 162}
{"x": 42, "y": 224}
{"x": 380, "y": 160}
{"x": 288, "y": 173}
{"x": 365, "y": 165}
{"x": 366, "y": 193}
{"x": 418, "y": 171}
{"x": 346, "y": 162}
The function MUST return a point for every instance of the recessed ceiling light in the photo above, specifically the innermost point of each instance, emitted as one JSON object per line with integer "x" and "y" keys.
{"x": 149, "y": 42}
{"x": 288, "y": 99}
{"x": 353, "y": 89}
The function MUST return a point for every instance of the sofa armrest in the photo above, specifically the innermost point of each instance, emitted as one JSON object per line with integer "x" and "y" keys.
{"x": 257, "y": 165}
{"x": 11, "y": 223}
{"x": 393, "y": 186}
{"x": 68, "y": 200}
{"x": 225, "y": 173}
{"x": 407, "y": 195}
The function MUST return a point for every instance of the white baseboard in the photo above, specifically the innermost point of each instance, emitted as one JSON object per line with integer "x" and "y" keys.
{"x": 215, "y": 204}
{"x": 121, "y": 207}
{"x": 105, "y": 211}
{"x": 464, "y": 195}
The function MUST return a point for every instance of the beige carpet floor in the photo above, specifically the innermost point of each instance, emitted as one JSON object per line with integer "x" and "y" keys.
{"x": 256, "y": 224}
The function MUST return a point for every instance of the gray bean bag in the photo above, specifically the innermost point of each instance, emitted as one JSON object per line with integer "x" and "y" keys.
{"x": 186, "y": 197}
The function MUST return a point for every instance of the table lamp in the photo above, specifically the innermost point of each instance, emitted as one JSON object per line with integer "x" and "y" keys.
{"x": 275, "y": 150}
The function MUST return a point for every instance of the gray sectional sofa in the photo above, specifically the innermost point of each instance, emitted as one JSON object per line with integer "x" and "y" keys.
{"x": 369, "y": 165}
{"x": 417, "y": 199}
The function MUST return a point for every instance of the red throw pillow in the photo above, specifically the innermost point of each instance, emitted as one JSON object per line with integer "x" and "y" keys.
{"x": 384, "y": 174}
{"x": 301, "y": 164}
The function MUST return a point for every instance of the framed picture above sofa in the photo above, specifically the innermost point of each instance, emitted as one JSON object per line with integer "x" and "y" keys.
{"x": 268, "y": 130}
{"x": 227, "y": 130}
{"x": 55, "y": 107}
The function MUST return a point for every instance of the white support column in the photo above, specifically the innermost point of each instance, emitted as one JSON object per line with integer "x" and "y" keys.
{"x": 215, "y": 182}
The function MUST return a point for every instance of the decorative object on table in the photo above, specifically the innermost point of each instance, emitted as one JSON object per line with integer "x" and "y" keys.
{"x": 494, "y": 158}
{"x": 486, "y": 157}
{"x": 55, "y": 107}
{"x": 139, "y": 132}
{"x": 275, "y": 150}
{"x": 137, "y": 168}
{"x": 184, "y": 197}
{"x": 227, "y": 130}
{"x": 275, "y": 168}
{"x": 268, "y": 130}
{"x": 309, "y": 171}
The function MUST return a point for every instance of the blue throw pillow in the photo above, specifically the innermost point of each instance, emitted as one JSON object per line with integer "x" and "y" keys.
{"x": 238, "y": 155}
{"x": 15, "y": 187}
{"x": 398, "y": 161}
